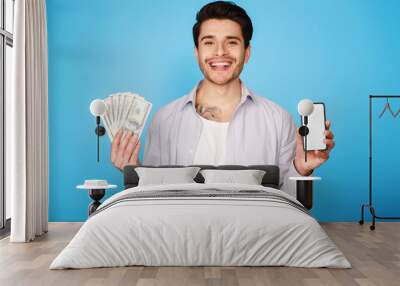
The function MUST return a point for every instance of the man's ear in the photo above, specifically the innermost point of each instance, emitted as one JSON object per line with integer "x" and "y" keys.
{"x": 196, "y": 53}
{"x": 247, "y": 54}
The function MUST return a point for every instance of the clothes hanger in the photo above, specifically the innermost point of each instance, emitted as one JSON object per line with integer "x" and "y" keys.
{"x": 387, "y": 107}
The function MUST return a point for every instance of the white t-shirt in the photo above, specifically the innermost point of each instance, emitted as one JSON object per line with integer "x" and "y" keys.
{"x": 212, "y": 144}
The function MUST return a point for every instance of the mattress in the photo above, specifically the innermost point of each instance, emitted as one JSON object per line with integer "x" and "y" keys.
{"x": 201, "y": 225}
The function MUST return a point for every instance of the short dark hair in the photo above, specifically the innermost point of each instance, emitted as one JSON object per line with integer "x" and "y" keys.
{"x": 224, "y": 10}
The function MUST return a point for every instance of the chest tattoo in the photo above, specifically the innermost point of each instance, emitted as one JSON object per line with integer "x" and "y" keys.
{"x": 209, "y": 112}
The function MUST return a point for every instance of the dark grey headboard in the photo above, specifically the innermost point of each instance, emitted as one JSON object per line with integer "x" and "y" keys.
{"x": 270, "y": 179}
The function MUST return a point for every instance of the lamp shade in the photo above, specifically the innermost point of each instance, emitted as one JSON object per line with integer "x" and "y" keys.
{"x": 97, "y": 107}
{"x": 305, "y": 107}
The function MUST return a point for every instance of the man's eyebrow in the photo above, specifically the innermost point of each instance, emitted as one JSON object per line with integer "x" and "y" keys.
{"x": 207, "y": 37}
{"x": 233, "y": 38}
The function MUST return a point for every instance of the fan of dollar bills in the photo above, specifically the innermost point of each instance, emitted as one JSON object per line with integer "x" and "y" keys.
{"x": 125, "y": 110}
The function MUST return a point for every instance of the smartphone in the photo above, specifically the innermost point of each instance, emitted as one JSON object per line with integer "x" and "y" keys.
{"x": 316, "y": 127}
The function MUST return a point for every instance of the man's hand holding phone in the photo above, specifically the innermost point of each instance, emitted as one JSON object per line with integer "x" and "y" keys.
{"x": 314, "y": 158}
{"x": 125, "y": 149}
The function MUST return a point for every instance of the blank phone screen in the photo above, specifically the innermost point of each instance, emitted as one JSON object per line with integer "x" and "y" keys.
{"x": 316, "y": 127}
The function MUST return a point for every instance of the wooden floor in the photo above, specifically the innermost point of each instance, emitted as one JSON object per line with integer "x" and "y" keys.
{"x": 374, "y": 255}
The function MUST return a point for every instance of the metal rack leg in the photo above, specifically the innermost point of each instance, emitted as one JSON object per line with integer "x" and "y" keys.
{"x": 374, "y": 216}
{"x": 361, "y": 221}
{"x": 372, "y": 210}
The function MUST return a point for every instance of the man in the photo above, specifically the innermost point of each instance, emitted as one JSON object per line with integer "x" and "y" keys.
{"x": 220, "y": 121}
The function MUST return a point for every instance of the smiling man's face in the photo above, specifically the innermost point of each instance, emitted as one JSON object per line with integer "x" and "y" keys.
{"x": 221, "y": 52}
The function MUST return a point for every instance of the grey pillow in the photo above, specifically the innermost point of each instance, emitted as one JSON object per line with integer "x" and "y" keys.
{"x": 162, "y": 176}
{"x": 249, "y": 177}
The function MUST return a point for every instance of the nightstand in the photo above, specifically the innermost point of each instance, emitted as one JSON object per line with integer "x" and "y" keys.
{"x": 304, "y": 190}
{"x": 97, "y": 190}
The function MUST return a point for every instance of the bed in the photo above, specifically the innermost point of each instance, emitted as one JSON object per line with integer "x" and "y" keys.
{"x": 201, "y": 224}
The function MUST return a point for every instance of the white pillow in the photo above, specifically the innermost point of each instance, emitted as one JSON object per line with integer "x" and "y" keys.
{"x": 249, "y": 177}
{"x": 162, "y": 176}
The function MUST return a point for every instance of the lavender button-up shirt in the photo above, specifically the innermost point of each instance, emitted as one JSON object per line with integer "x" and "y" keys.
{"x": 260, "y": 132}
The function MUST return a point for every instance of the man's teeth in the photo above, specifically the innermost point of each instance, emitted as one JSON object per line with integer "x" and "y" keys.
{"x": 222, "y": 64}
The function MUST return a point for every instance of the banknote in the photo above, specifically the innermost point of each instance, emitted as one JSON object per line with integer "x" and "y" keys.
{"x": 125, "y": 110}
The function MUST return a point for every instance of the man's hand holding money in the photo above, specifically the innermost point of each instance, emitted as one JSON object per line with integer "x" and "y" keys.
{"x": 125, "y": 149}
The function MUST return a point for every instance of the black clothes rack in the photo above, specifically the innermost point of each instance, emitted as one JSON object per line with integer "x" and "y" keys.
{"x": 370, "y": 205}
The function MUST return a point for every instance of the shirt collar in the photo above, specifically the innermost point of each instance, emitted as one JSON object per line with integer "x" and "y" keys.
{"x": 191, "y": 97}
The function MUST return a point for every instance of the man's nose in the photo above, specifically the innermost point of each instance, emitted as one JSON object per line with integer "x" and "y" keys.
{"x": 220, "y": 49}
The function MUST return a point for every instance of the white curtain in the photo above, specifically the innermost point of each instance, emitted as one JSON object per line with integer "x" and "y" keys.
{"x": 27, "y": 124}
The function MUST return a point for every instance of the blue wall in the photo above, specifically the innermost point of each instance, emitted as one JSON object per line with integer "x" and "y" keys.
{"x": 338, "y": 52}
